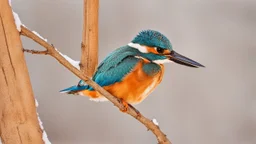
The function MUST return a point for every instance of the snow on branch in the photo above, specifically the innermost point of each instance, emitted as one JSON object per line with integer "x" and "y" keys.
{"x": 71, "y": 61}
{"x": 17, "y": 20}
{"x": 36, "y": 33}
{"x": 155, "y": 122}
{"x": 45, "y": 138}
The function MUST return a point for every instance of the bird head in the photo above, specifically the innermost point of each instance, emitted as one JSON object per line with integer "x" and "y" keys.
{"x": 156, "y": 47}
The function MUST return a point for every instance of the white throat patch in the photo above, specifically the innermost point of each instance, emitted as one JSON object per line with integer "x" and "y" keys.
{"x": 142, "y": 49}
{"x": 162, "y": 61}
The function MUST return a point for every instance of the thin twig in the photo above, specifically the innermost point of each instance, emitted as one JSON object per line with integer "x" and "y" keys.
{"x": 36, "y": 51}
{"x": 161, "y": 137}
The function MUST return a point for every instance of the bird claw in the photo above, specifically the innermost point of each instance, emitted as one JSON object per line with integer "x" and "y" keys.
{"x": 126, "y": 106}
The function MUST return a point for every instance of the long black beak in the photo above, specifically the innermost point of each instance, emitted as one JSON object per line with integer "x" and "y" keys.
{"x": 180, "y": 59}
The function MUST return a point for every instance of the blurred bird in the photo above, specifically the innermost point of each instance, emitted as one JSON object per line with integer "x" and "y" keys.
{"x": 133, "y": 71}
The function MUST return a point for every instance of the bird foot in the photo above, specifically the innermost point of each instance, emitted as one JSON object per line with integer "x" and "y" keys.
{"x": 126, "y": 106}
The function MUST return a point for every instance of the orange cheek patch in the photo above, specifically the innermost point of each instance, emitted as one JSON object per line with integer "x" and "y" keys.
{"x": 151, "y": 49}
{"x": 166, "y": 52}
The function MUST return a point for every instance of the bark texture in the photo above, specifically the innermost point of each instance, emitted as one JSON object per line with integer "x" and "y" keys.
{"x": 89, "y": 55}
{"x": 18, "y": 118}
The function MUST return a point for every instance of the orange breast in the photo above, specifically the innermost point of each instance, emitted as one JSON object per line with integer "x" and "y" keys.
{"x": 134, "y": 88}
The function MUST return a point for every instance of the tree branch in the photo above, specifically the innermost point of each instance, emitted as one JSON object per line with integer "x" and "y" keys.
{"x": 89, "y": 46}
{"x": 36, "y": 52}
{"x": 161, "y": 137}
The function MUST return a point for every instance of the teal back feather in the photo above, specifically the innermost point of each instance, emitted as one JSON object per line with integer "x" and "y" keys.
{"x": 114, "y": 68}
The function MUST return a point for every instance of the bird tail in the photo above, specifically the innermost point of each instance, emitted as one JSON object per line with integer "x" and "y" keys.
{"x": 74, "y": 89}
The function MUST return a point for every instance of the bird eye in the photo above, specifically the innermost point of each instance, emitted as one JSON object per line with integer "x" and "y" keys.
{"x": 159, "y": 50}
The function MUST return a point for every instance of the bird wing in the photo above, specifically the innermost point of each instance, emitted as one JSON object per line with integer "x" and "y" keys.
{"x": 114, "y": 68}
{"x": 116, "y": 73}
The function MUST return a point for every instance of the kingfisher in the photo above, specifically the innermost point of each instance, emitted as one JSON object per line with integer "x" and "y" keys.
{"x": 133, "y": 71}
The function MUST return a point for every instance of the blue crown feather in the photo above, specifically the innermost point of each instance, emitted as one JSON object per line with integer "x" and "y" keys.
{"x": 152, "y": 38}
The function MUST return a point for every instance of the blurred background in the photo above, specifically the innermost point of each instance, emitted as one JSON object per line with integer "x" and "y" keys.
{"x": 212, "y": 105}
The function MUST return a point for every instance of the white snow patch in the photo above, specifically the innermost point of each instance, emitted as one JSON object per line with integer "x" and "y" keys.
{"x": 17, "y": 20}
{"x": 100, "y": 99}
{"x": 36, "y": 33}
{"x": 155, "y": 122}
{"x": 23, "y": 25}
{"x": 36, "y": 102}
{"x": 71, "y": 61}
{"x": 45, "y": 138}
